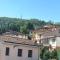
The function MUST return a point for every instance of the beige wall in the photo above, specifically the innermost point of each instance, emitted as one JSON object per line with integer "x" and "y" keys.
{"x": 1, "y": 48}
{"x": 37, "y": 37}
{"x": 14, "y": 50}
{"x": 58, "y": 41}
{"x": 52, "y": 43}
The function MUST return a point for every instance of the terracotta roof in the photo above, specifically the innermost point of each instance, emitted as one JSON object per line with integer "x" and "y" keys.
{"x": 16, "y": 39}
{"x": 44, "y": 29}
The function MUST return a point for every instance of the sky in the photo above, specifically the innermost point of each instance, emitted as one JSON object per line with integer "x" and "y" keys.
{"x": 28, "y": 9}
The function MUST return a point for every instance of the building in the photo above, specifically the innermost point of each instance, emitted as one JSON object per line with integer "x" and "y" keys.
{"x": 48, "y": 35}
{"x": 19, "y": 47}
{"x": 14, "y": 48}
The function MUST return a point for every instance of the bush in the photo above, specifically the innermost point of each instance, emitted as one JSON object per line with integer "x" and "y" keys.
{"x": 46, "y": 54}
{"x": 54, "y": 54}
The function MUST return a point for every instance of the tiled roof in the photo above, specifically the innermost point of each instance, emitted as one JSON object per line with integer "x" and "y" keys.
{"x": 16, "y": 39}
{"x": 51, "y": 31}
{"x": 44, "y": 29}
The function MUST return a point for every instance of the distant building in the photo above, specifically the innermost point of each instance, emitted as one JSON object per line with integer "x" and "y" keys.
{"x": 47, "y": 35}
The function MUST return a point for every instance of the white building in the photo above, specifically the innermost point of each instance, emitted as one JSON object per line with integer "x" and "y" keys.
{"x": 15, "y": 48}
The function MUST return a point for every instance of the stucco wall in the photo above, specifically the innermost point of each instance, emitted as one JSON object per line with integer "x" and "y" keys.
{"x": 37, "y": 37}
{"x": 52, "y": 43}
{"x": 1, "y": 50}
{"x": 14, "y": 52}
{"x": 58, "y": 41}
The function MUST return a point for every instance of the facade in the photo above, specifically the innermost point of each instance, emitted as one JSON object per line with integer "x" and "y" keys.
{"x": 15, "y": 48}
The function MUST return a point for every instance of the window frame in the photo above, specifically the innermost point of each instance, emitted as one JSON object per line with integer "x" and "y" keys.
{"x": 53, "y": 40}
{"x": 20, "y": 52}
{"x": 30, "y": 53}
{"x": 7, "y": 51}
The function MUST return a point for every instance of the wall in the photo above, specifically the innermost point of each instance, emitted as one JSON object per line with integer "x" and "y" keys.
{"x": 1, "y": 50}
{"x": 14, "y": 50}
{"x": 37, "y": 37}
{"x": 52, "y": 43}
{"x": 58, "y": 42}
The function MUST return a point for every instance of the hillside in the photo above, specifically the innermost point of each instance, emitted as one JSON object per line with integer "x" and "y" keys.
{"x": 20, "y": 25}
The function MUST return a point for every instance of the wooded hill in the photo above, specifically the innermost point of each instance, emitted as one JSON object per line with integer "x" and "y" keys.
{"x": 20, "y": 25}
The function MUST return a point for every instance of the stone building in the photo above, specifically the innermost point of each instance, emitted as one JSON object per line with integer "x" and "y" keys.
{"x": 14, "y": 48}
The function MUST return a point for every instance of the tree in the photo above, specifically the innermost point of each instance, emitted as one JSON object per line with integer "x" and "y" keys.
{"x": 30, "y": 26}
{"x": 25, "y": 31}
{"x": 46, "y": 54}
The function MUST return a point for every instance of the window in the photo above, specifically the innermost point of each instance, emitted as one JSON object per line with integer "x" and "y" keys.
{"x": 53, "y": 40}
{"x": 29, "y": 53}
{"x": 7, "y": 51}
{"x": 19, "y": 52}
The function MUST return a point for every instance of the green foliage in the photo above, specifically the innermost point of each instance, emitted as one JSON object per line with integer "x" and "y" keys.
{"x": 30, "y": 26}
{"x": 54, "y": 54}
{"x": 25, "y": 31}
{"x": 20, "y": 25}
{"x": 46, "y": 54}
